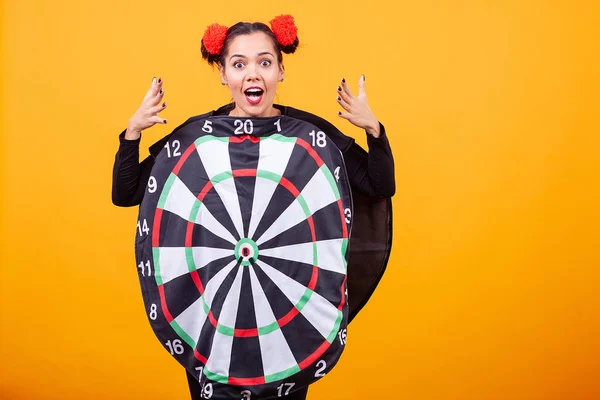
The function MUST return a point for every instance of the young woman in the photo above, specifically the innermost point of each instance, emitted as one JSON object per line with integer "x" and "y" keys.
{"x": 249, "y": 58}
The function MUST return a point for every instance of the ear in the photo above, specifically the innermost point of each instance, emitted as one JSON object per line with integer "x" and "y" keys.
{"x": 281, "y": 72}
{"x": 222, "y": 73}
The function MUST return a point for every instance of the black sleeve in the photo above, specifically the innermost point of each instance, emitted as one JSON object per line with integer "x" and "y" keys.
{"x": 129, "y": 175}
{"x": 372, "y": 174}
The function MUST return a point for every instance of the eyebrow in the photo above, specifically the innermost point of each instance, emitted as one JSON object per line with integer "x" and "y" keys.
{"x": 259, "y": 54}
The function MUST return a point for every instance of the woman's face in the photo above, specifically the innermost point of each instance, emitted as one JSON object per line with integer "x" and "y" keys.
{"x": 252, "y": 72}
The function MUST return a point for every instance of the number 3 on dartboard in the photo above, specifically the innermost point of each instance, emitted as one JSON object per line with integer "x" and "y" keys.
{"x": 246, "y": 395}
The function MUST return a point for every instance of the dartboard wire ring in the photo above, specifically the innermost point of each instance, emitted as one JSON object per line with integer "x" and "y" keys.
{"x": 281, "y": 322}
{"x": 288, "y": 317}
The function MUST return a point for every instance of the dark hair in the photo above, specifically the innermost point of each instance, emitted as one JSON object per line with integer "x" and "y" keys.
{"x": 246, "y": 28}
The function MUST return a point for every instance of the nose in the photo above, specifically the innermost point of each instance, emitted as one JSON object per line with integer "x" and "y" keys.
{"x": 252, "y": 73}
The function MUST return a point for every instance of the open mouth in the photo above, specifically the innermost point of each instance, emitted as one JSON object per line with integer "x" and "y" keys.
{"x": 254, "y": 95}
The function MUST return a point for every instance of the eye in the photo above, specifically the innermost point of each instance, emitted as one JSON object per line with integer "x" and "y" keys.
{"x": 265, "y": 63}
{"x": 238, "y": 64}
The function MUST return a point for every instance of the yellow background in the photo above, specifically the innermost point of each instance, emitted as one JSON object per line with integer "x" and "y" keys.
{"x": 492, "y": 108}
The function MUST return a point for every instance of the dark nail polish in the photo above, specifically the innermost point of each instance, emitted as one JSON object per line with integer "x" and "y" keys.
{"x": 339, "y": 99}
{"x": 165, "y": 121}
{"x": 339, "y": 89}
{"x": 164, "y": 104}
{"x": 364, "y": 78}
{"x": 159, "y": 80}
{"x": 343, "y": 80}
{"x": 339, "y": 113}
{"x": 161, "y": 91}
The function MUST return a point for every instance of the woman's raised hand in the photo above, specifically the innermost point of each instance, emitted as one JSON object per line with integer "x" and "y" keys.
{"x": 356, "y": 107}
{"x": 147, "y": 115}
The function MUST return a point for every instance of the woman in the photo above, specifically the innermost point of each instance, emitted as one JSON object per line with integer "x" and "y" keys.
{"x": 249, "y": 58}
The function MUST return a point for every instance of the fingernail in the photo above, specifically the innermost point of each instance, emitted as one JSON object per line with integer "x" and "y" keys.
{"x": 159, "y": 80}
{"x": 165, "y": 121}
{"x": 161, "y": 91}
{"x": 153, "y": 78}
{"x": 343, "y": 80}
{"x": 364, "y": 78}
{"x": 339, "y": 98}
{"x": 339, "y": 89}
{"x": 164, "y": 104}
{"x": 339, "y": 113}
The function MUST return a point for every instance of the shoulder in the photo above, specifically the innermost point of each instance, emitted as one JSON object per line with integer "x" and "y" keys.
{"x": 343, "y": 142}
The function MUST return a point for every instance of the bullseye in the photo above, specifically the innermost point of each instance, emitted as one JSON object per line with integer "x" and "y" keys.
{"x": 246, "y": 251}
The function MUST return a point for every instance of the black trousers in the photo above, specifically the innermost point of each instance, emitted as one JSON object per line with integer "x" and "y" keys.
{"x": 196, "y": 390}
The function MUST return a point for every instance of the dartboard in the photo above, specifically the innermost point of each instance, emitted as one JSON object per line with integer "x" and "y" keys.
{"x": 241, "y": 250}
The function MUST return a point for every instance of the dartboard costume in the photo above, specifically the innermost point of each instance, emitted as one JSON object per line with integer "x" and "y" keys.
{"x": 225, "y": 231}
{"x": 242, "y": 253}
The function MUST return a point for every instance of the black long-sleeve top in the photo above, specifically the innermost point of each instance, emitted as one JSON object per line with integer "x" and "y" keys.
{"x": 371, "y": 174}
